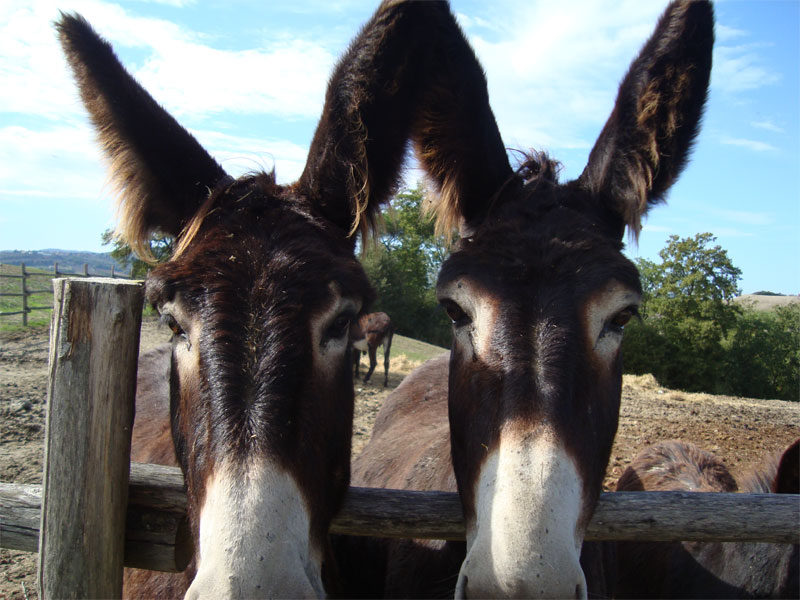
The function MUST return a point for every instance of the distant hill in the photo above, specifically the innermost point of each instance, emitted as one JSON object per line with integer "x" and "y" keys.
{"x": 69, "y": 261}
{"x": 765, "y": 301}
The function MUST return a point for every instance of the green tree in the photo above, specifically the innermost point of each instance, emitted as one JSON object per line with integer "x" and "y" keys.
{"x": 161, "y": 247}
{"x": 694, "y": 280}
{"x": 763, "y": 356}
{"x": 687, "y": 311}
{"x": 403, "y": 264}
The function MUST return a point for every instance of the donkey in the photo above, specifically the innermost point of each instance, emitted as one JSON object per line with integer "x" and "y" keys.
{"x": 539, "y": 293}
{"x": 708, "y": 569}
{"x": 369, "y": 332}
{"x": 254, "y": 399}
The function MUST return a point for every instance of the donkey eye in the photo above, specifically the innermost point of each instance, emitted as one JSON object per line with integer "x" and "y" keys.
{"x": 340, "y": 326}
{"x": 455, "y": 312}
{"x": 170, "y": 322}
{"x": 622, "y": 318}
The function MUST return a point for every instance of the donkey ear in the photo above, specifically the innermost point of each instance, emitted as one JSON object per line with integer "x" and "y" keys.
{"x": 360, "y": 142}
{"x": 161, "y": 172}
{"x": 456, "y": 137}
{"x": 787, "y": 481}
{"x": 648, "y": 138}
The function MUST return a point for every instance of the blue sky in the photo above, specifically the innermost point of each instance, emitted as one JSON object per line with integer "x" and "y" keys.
{"x": 248, "y": 79}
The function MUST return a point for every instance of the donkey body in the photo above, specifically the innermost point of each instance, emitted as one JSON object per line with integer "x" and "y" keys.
{"x": 708, "y": 569}
{"x": 372, "y": 330}
{"x": 254, "y": 398}
{"x": 539, "y": 292}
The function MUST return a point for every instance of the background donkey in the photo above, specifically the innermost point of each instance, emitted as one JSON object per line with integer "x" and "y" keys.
{"x": 708, "y": 569}
{"x": 539, "y": 292}
{"x": 369, "y": 332}
{"x": 259, "y": 295}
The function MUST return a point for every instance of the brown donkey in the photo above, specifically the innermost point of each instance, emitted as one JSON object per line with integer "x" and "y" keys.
{"x": 255, "y": 397}
{"x": 708, "y": 569}
{"x": 539, "y": 292}
{"x": 369, "y": 332}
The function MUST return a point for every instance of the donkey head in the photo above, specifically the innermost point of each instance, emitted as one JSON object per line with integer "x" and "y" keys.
{"x": 539, "y": 293}
{"x": 259, "y": 294}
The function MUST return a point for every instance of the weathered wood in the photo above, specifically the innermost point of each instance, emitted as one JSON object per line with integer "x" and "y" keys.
{"x": 94, "y": 346}
{"x": 157, "y": 537}
{"x": 157, "y": 533}
{"x": 24, "y": 295}
{"x": 20, "y": 516}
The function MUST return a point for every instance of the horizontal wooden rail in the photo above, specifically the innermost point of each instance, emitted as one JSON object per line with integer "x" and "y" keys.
{"x": 157, "y": 537}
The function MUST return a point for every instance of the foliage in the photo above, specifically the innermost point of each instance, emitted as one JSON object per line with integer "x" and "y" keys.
{"x": 161, "y": 247}
{"x": 694, "y": 280}
{"x": 692, "y": 335}
{"x": 763, "y": 354}
{"x": 402, "y": 266}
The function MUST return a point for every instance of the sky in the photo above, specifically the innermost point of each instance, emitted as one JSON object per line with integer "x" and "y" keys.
{"x": 248, "y": 79}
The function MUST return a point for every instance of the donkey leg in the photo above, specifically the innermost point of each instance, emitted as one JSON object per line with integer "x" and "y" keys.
{"x": 373, "y": 361}
{"x": 356, "y": 361}
{"x": 387, "y": 346}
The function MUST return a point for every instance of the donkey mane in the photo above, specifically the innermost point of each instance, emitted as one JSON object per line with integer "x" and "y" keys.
{"x": 535, "y": 166}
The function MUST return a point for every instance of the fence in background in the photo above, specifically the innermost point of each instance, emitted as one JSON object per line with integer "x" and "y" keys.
{"x": 26, "y": 291}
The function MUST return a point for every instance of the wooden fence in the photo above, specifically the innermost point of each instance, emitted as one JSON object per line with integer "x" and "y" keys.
{"x": 26, "y": 292}
{"x": 93, "y": 514}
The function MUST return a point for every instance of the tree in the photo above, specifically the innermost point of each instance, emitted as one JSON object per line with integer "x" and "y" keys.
{"x": 403, "y": 265}
{"x": 763, "y": 357}
{"x": 694, "y": 280}
{"x": 687, "y": 312}
{"x": 161, "y": 247}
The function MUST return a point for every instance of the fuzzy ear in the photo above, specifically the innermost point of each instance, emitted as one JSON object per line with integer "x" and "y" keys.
{"x": 648, "y": 138}
{"x": 372, "y": 100}
{"x": 161, "y": 172}
{"x": 787, "y": 481}
{"x": 456, "y": 137}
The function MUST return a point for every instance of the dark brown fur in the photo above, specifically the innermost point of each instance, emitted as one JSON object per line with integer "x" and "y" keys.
{"x": 708, "y": 569}
{"x": 539, "y": 253}
{"x": 254, "y": 265}
{"x": 374, "y": 329}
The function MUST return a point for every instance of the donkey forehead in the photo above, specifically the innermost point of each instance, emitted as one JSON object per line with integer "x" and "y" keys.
{"x": 547, "y": 261}
{"x": 263, "y": 253}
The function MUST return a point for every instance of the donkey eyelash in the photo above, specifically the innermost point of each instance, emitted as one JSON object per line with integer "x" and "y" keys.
{"x": 170, "y": 321}
{"x": 626, "y": 315}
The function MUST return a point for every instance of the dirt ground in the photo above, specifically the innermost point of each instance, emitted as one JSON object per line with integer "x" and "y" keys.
{"x": 739, "y": 430}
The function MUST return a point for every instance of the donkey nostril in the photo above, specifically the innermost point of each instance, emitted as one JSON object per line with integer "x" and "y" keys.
{"x": 579, "y": 592}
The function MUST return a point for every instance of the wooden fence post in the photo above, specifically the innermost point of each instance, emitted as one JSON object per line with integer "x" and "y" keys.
{"x": 94, "y": 346}
{"x": 24, "y": 296}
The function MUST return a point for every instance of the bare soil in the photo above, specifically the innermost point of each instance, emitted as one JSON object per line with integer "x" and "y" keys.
{"x": 741, "y": 431}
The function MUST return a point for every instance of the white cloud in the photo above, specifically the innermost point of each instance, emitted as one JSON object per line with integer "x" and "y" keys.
{"x": 740, "y": 69}
{"x": 754, "y": 145}
{"x": 190, "y": 78}
{"x": 287, "y": 80}
{"x": 768, "y": 125}
{"x": 745, "y": 217}
{"x": 731, "y": 232}
{"x": 553, "y": 68}
{"x": 62, "y": 162}
{"x": 239, "y": 155}
{"x": 175, "y": 3}
{"x": 723, "y": 33}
